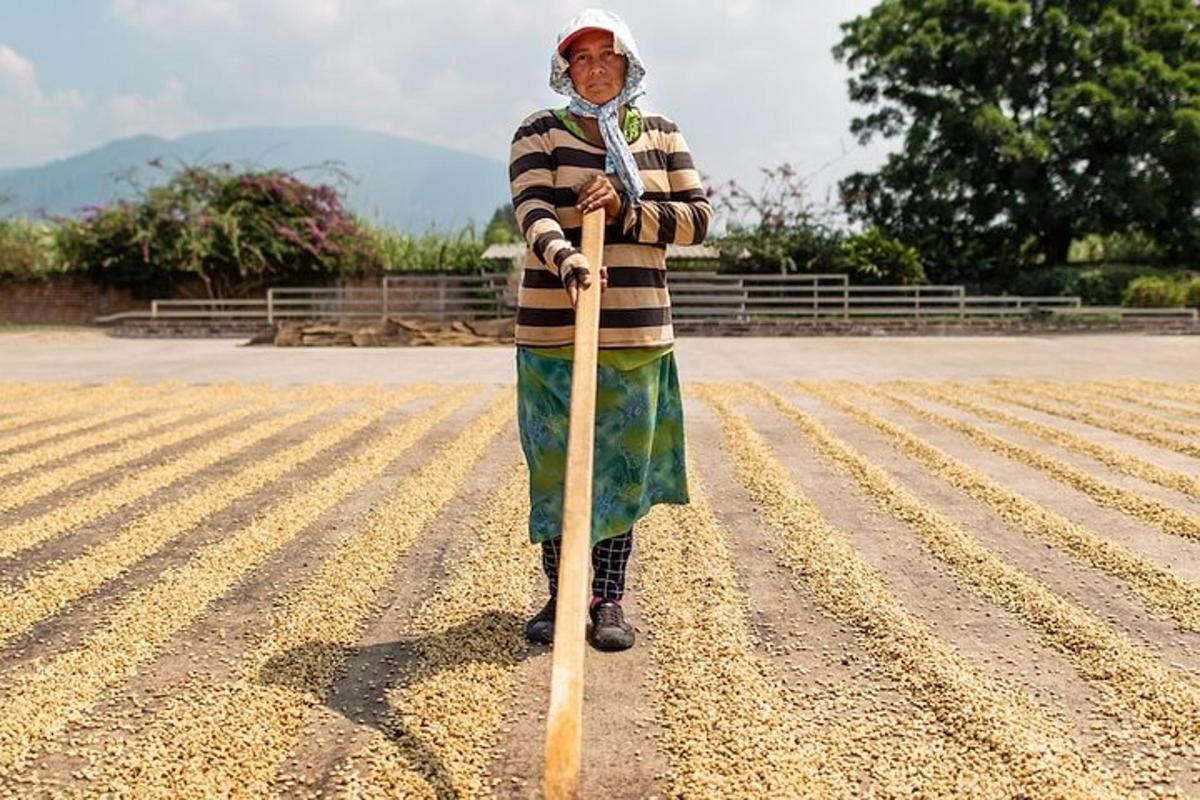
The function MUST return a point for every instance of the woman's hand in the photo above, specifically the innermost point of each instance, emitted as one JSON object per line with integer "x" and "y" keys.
{"x": 576, "y": 273}
{"x": 599, "y": 192}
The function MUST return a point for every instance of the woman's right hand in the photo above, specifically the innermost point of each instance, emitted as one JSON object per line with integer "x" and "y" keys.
{"x": 576, "y": 273}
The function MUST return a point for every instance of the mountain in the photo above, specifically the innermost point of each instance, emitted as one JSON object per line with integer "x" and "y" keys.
{"x": 397, "y": 182}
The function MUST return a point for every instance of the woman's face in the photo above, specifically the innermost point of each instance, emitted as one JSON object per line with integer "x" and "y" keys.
{"x": 597, "y": 70}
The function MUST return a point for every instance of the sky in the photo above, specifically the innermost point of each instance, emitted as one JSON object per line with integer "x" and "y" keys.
{"x": 752, "y": 83}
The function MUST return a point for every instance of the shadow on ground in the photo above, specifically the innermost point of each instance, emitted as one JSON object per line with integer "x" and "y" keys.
{"x": 492, "y": 638}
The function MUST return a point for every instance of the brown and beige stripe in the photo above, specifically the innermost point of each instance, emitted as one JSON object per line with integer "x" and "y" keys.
{"x": 547, "y": 165}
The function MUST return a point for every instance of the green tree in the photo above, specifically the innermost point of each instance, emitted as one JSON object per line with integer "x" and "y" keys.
{"x": 1026, "y": 124}
{"x": 502, "y": 228}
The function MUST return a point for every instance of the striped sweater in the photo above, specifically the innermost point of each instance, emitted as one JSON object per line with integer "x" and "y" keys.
{"x": 548, "y": 162}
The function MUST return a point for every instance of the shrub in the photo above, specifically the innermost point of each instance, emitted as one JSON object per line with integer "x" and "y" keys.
{"x": 1047, "y": 281}
{"x": 112, "y": 245}
{"x": 237, "y": 232}
{"x": 776, "y": 229}
{"x": 1105, "y": 286}
{"x": 1098, "y": 285}
{"x": 1192, "y": 294}
{"x": 1154, "y": 292}
{"x": 28, "y": 250}
{"x": 875, "y": 257}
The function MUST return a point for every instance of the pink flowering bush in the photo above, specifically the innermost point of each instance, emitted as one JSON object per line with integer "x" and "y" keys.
{"x": 238, "y": 232}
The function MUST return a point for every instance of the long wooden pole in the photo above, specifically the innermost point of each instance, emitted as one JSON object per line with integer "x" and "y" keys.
{"x": 564, "y": 724}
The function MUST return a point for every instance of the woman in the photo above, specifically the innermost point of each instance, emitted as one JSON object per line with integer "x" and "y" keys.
{"x": 601, "y": 151}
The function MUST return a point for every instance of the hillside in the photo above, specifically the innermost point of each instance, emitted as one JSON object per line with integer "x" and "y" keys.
{"x": 395, "y": 181}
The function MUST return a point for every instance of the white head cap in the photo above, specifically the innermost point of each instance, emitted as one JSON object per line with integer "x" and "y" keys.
{"x": 623, "y": 42}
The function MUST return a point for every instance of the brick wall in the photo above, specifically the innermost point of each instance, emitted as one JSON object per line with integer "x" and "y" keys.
{"x": 61, "y": 301}
{"x": 71, "y": 300}
{"x": 78, "y": 301}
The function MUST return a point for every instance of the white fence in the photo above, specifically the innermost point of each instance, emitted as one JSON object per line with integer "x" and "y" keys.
{"x": 437, "y": 297}
{"x": 713, "y": 297}
{"x": 702, "y": 297}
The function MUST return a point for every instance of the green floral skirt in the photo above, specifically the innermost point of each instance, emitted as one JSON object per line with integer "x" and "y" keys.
{"x": 639, "y": 459}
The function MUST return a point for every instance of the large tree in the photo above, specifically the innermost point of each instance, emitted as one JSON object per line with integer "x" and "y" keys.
{"x": 1027, "y": 123}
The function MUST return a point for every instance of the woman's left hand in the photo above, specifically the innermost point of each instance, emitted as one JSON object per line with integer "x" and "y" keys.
{"x": 600, "y": 192}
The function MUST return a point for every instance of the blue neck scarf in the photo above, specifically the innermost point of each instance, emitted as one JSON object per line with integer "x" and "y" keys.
{"x": 619, "y": 158}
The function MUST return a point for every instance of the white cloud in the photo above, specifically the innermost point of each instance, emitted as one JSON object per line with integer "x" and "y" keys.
{"x": 178, "y": 19}
{"x": 311, "y": 15}
{"x": 165, "y": 114}
{"x": 37, "y": 125}
{"x": 752, "y": 82}
{"x": 170, "y": 19}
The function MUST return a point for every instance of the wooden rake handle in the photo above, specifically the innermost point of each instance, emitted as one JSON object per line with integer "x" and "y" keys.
{"x": 564, "y": 724}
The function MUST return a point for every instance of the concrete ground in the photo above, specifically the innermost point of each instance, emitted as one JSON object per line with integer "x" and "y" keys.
{"x": 922, "y": 591}
{"x": 91, "y": 356}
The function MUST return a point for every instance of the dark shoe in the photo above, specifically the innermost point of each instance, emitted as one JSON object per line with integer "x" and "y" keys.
{"x": 540, "y": 629}
{"x": 610, "y": 631}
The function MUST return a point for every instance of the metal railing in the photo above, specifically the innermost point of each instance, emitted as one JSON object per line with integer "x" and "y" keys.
{"x": 713, "y": 298}
{"x": 449, "y": 296}
{"x": 197, "y": 309}
{"x": 697, "y": 297}
{"x": 441, "y": 297}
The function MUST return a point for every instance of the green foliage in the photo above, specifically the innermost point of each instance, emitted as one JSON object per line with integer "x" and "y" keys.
{"x": 28, "y": 250}
{"x": 503, "y": 227}
{"x": 433, "y": 251}
{"x": 1027, "y": 124}
{"x": 872, "y": 254}
{"x": 1191, "y": 296}
{"x": 1131, "y": 246}
{"x": 781, "y": 250}
{"x": 107, "y": 244}
{"x": 776, "y": 230}
{"x": 1100, "y": 285}
{"x": 237, "y": 231}
{"x": 696, "y": 265}
{"x": 1155, "y": 292}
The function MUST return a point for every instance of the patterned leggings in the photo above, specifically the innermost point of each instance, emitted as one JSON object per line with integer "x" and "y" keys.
{"x": 610, "y": 557}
